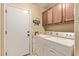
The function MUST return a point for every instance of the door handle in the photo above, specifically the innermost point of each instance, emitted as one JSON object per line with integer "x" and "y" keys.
{"x": 28, "y": 31}
{"x": 6, "y": 32}
{"x": 28, "y": 34}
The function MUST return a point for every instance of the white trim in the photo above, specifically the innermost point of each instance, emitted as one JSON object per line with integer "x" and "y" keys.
{"x": 13, "y": 5}
{"x": 30, "y": 40}
{"x": 4, "y": 30}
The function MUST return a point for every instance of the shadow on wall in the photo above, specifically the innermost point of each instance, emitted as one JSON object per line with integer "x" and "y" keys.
{"x": 64, "y": 27}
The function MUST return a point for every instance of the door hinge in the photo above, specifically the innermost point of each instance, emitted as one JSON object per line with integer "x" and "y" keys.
{"x": 6, "y": 11}
{"x": 6, "y": 32}
{"x": 6, "y": 53}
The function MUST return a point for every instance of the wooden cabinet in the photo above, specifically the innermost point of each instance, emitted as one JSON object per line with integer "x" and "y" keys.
{"x": 69, "y": 12}
{"x": 57, "y": 13}
{"x": 44, "y": 18}
{"x": 49, "y": 16}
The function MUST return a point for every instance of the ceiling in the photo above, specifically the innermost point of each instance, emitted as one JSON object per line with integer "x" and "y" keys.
{"x": 43, "y": 5}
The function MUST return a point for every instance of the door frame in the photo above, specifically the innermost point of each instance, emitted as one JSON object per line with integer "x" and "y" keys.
{"x": 30, "y": 38}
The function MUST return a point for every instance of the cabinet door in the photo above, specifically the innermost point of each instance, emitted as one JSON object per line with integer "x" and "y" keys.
{"x": 44, "y": 18}
{"x": 69, "y": 10}
{"x": 57, "y": 13}
{"x": 49, "y": 16}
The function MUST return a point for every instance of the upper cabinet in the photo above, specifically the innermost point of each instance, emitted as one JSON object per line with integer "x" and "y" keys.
{"x": 69, "y": 11}
{"x": 44, "y": 18}
{"x": 49, "y": 16}
{"x": 57, "y": 13}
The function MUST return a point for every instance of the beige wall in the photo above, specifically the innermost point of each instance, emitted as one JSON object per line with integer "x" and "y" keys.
{"x": 77, "y": 30}
{"x": 64, "y": 27}
{"x": 0, "y": 29}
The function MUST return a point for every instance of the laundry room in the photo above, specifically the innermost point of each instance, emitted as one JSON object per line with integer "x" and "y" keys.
{"x": 39, "y": 29}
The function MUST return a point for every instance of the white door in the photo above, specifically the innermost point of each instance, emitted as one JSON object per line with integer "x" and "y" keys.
{"x": 18, "y": 26}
